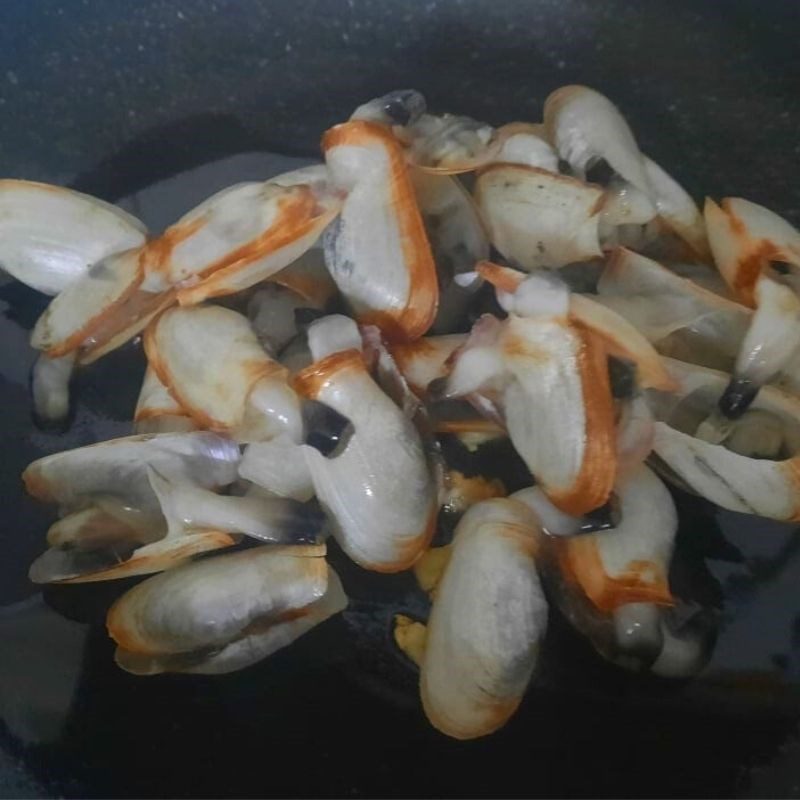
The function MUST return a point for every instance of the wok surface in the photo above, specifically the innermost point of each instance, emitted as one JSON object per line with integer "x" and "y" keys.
{"x": 112, "y": 97}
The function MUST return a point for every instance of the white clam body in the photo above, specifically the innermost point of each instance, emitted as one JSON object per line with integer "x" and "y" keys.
{"x": 585, "y": 126}
{"x": 208, "y": 604}
{"x": 744, "y": 238}
{"x": 119, "y": 468}
{"x": 113, "y": 522}
{"x": 50, "y": 386}
{"x": 211, "y": 362}
{"x": 242, "y": 235}
{"x": 536, "y": 218}
{"x": 157, "y": 411}
{"x": 487, "y": 622}
{"x": 379, "y": 490}
{"x": 50, "y": 236}
{"x": 378, "y": 252}
{"x": 751, "y": 481}
{"x": 278, "y": 466}
{"x": 99, "y": 311}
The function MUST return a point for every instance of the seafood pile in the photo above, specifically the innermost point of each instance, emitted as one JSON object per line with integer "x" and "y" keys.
{"x": 319, "y": 344}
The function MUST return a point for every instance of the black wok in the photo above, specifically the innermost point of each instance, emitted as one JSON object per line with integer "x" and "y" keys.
{"x": 111, "y": 97}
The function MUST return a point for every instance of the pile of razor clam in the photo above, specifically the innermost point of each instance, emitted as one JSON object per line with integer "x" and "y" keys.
{"x": 313, "y": 340}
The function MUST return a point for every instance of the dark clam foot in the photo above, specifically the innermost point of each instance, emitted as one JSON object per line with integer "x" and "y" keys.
{"x": 737, "y": 397}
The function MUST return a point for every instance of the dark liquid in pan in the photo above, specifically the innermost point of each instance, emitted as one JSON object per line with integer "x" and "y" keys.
{"x": 338, "y": 713}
